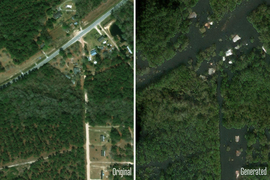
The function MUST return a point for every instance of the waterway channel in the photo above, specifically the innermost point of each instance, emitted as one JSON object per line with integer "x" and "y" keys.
{"x": 232, "y": 23}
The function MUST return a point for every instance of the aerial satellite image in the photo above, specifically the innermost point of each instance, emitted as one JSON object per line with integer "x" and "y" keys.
{"x": 202, "y": 89}
{"x": 66, "y": 89}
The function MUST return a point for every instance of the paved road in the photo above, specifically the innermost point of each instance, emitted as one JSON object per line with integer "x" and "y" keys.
{"x": 81, "y": 34}
{"x": 73, "y": 40}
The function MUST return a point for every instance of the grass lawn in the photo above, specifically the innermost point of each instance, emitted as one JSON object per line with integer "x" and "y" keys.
{"x": 102, "y": 9}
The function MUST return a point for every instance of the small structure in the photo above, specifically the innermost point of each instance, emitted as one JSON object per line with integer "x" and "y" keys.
{"x": 211, "y": 23}
{"x": 95, "y": 62}
{"x": 89, "y": 58}
{"x": 223, "y": 58}
{"x": 236, "y": 38}
{"x": 264, "y": 49}
{"x": 68, "y": 76}
{"x": 103, "y": 153}
{"x": 230, "y": 62}
{"x": 236, "y": 138}
{"x": 237, "y": 47}
{"x": 238, "y": 153}
{"x": 237, "y": 174}
{"x": 76, "y": 70}
{"x": 104, "y": 42}
{"x": 229, "y": 52}
{"x": 76, "y": 23}
{"x": 102, "y": 174}
{"x": 203, "y": 77}
{"x": 192, "y": 15}
{"x": 129, "y": 50}
{"x": 42, "y": 45}
{"x": 101, "y": 38}
{"x": 69, "y": 6}
{"x": 102, "y": 138}
{"x": 211, "y": 71}
{"x": 93, "y": 52}
{"x": 57, "y": 15}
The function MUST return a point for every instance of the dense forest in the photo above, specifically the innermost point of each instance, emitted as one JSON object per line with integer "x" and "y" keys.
{"x": 220, "y": 8}
{"x": 40, "y": 113}
{"x": 246, "y": 103}
{"x": 60, "y": 165}
{"x": 257, "y": 152}
{"x": 179, "y": 135}
{"x": 124, "y": 20}
{"x": 157, "y": 23}
{"x": 21, "y": 24}
{"x": 110, "y": 95}
{"x": 260, "y": 19}
{"x": 83, "y": 7}
{"x": 246, "y": 94}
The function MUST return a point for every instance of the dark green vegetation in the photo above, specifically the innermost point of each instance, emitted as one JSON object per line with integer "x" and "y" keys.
{"x": 83, "y": 7}
{"x": 246, "y": 95}
{"x": 115, "y": 136}
{"x": 118, "y": 153}
{"x": 246, "y": 103}
{"x": 23, "y": 26}
{"x": 40, "y": 113}
{"x": 121, "y": 166}
{"x": 110, "y": 95}
{"x": 222, "y": 7}
{"x": 122, "y": 154}
{"x": 260, "y": 19}
{"x": 66, "y": 165}
{"x": 2, "y": 69}
{"x": 158, "y": 23}
{"x": 179, "y": 136}
{"x": 257, "y": 152}
{"x": 124, "y": 20}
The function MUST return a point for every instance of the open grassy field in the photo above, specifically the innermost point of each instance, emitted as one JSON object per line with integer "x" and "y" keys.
{"x": 94, "y": 15}
{"x": 95, "y": 153}
{"x": 96, "y": 169}
{"x": 95, "y": 136}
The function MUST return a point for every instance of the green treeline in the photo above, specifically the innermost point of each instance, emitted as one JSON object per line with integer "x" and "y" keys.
{"x": 246, "y": 95}
{"x": 260, "y": 19}
{"x": 124, "y": 20}
{"x": 179, "y": 137}
{"x": 66, "y": 165}
{"x": 40, "y": 113}
{"x": 257, "y": 152}
{"x": 20, "y": 24}
{"x": 246, "y": 103}
{"x": 2, "y": 69}
{"x": 159, "y": 22}
{"x": 221, "y": 7}
{"x": 110, "y": 95}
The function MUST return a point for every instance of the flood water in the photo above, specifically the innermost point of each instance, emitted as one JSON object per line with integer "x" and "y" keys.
{"x": 232, "y": 23}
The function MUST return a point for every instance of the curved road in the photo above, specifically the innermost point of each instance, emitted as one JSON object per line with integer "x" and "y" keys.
{"x": 81, "y": 34}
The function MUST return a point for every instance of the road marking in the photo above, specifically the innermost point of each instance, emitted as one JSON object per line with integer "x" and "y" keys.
{"x": 98, "y": 30}
{"x": 45, "y": 54}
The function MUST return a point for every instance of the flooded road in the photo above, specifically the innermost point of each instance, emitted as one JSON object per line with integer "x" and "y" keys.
{"x": 220, "y": 34}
